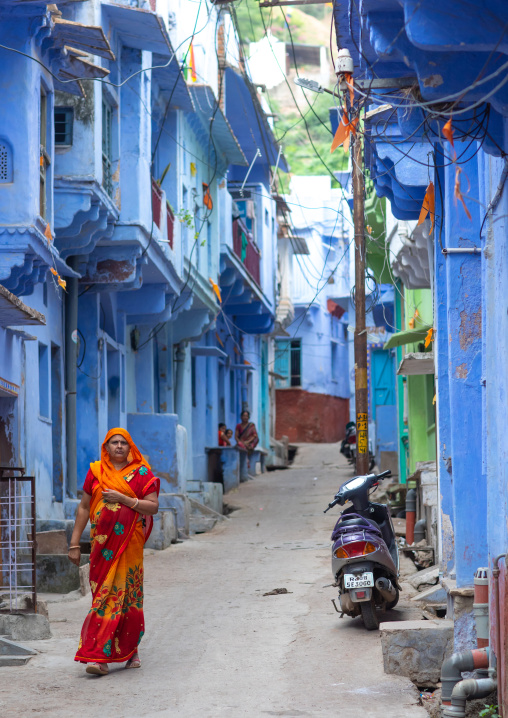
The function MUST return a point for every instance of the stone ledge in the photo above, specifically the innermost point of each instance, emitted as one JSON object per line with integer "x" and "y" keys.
{"x": 416, "y": 649}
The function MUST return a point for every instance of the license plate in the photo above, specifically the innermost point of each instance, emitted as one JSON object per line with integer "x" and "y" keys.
{"x": 360, "y": 580}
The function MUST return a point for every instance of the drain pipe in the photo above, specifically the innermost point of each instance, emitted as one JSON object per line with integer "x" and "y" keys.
{"x": 455, "y": 665}
{"x": 420, "y": 531}
{"x": 71, "y": 361}
{"x": 464, "y": 691}
{"x": 495, "y": 574}
{"x": 410, "y": 516}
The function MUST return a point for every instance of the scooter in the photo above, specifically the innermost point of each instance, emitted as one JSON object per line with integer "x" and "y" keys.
{"x": 365, "y": 557}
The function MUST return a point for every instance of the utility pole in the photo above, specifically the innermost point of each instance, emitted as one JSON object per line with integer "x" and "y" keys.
{"x": 360, "y": 346}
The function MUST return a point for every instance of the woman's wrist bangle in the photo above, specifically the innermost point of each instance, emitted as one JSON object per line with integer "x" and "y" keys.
{"x": 135, "y": 504}
{"x": 74, "y": 547}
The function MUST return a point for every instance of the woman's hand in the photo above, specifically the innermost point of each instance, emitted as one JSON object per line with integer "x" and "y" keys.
{"x": 114, "y": 497}
{"x": 74, "y": 555}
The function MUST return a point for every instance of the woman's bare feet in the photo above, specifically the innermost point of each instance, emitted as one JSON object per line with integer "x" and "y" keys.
{"x": 133, "y": 662}
{"x": 97, "y": 669}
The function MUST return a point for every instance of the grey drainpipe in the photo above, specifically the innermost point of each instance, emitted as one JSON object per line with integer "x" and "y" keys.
{"x": 464, "y": 691}
{"x": 71, "y": 360}
{"x": 455, "y": 665}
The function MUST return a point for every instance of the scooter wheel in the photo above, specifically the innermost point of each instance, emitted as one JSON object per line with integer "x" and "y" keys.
{"x": 369, "y": 615}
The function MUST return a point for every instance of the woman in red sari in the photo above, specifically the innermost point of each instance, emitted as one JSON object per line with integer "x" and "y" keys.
{"x": 245, "y": 434}
{"x": 120, "y": 497}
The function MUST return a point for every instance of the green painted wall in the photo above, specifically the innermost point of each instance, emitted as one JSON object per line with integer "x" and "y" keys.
{"x": 420, "y": 389}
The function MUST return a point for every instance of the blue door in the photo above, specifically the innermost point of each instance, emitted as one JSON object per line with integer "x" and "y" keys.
{"x": 383, "y": 402}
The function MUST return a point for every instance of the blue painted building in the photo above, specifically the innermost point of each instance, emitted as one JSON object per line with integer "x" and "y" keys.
{"x": 450, "y": 63}
{"x": 311, "y": 355}
{"x": 138, "y": 240}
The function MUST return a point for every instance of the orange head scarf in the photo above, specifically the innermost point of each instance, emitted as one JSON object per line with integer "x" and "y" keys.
{"x": 105, "y": 472}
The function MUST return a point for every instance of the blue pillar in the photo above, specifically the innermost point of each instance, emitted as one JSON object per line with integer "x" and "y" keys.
{"x": 463, "y": 281}
{"x": 441, "y": 349}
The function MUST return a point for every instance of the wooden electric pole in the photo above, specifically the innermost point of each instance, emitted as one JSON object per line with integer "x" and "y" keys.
{"x": 361, "y": 385}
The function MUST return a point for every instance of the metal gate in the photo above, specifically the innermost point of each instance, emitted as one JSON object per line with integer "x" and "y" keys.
{"x": 17, "y": 541}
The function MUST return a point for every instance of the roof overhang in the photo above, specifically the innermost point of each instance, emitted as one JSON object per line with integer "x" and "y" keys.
{"x": 416, "y": 364}
{"x": 139, "y": 28}
{"x": 249, "y": 121}
{"x": 408, "y": 336}
{"x": 215, "y": 124}
{"x": 171, "y": 82}
{"x": 14, "y": 312}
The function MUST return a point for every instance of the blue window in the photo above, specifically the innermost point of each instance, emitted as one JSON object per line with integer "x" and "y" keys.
{"x": 288, "y": 363}
{"x": 64, "y": 120}
{"x": 43, "y": 380}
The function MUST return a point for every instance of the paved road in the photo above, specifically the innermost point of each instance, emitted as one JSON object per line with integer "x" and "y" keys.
{"x": 215, "y": 646}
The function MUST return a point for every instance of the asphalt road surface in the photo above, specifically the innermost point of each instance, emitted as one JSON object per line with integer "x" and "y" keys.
{"x": 215, "y": 646}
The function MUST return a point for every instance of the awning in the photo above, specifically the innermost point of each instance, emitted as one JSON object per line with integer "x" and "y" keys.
{"x": 171, "y": 82}
{"x": 416, "y": 364}
{"x": 139, "y": 28}
{"x": 299, "y": 245}
{"x": 225, "y": 142}
{"x": 246, "y": 367}
{"x": 89, "y": 38}
{"x": 409, "y": 336}
{"x": 249, "y": 121}
{"x": 208, "y": 352}
{"x": 14, "y": 312}
{"x": 73, "y": 65}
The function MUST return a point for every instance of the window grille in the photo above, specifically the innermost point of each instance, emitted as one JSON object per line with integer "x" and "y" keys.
{"x": 5, "y": 161}
{"x": 17, "y": 541}
{"x": 107, "y": 148}
{"x": 44, "y": 160}
{"x": 64, "y": 117}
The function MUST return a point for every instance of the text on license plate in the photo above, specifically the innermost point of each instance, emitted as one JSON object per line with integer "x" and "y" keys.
{"x": 360, "y": 580}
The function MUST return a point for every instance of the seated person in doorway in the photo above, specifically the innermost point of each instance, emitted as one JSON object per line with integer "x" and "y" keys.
{"x": 223, "y": 440}
{"x": 245, "y": 434}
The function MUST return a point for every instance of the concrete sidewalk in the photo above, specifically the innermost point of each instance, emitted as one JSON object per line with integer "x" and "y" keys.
{"x": 214, "y": 645}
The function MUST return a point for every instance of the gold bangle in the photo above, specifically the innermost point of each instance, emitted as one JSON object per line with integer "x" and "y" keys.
{"x": 74, "y": 547}
{"x": 135, "y": 504}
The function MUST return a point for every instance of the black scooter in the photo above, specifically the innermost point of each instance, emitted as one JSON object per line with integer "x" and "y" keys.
{"x": 365, "y": 556}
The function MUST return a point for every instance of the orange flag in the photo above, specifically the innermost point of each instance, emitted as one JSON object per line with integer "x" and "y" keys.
{"x": 216, "y": 290}
{"x": 47, "y": 233}
{"x": 429, "y": 337}
{"x": 207, "y": 197}
{"x": 428, "y": 206}
{"x": 448, "y": 133}
{"x": 344, "y": 130}
{"x": 351, "y": 86}
{"x": 458, "y": 194}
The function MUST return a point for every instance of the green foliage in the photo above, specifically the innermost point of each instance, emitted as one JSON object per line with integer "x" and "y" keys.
{"x": 294, "y": 133}
{"x": 489, "y": 712}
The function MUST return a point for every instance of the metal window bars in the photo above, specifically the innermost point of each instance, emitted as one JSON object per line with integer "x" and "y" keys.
{"x": 17, "y": 541}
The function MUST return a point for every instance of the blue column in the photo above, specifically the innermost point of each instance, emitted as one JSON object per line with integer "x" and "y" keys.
{"x": 443, "y": 419}
{"x": 463, "y": 281}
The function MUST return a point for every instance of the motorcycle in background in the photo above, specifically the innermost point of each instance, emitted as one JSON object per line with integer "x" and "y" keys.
{"x": 348, "y": 446}
{"x": 365, "y": 558}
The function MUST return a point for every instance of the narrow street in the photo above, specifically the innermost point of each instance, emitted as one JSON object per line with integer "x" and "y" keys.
{"x": 214, "y": 645}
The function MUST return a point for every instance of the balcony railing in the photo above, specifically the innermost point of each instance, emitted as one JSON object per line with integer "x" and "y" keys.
{"x": 170, "y": 222}
{"x": 156, "y": 203}
{"x": 246, "y": 250}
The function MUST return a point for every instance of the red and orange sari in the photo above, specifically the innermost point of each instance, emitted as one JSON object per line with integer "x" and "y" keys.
{"x": 115, "y": 624}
